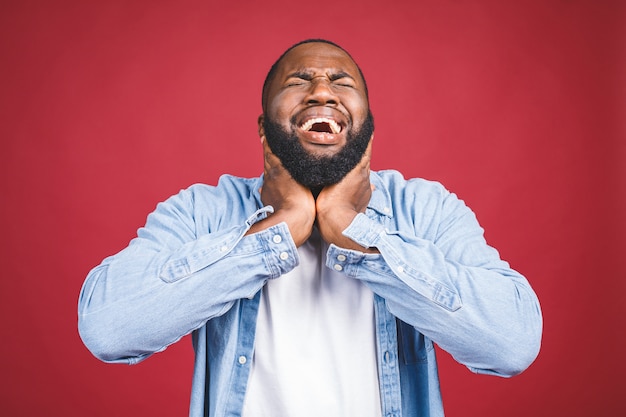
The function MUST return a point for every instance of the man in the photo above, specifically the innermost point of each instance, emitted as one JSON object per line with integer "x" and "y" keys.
{"x": 319, "y": 288}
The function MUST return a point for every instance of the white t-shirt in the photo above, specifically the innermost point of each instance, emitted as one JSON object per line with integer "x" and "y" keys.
{"x": 315, "y": 347}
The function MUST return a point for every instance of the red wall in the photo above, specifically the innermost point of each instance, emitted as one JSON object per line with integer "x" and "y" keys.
{"x": 109, "y": 107}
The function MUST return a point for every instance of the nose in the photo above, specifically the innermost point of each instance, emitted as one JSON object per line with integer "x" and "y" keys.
{"x": 321, "y": 92}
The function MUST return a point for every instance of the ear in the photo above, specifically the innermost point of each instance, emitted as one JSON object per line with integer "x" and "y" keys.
{"x": 260, "y": 126}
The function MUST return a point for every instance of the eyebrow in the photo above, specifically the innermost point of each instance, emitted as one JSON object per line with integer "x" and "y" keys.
{"x": 302, "y": 74}
{"x": 339, "y": 75}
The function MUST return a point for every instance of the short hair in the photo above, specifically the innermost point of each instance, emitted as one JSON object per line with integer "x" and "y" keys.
{"x": 272, "y": 72}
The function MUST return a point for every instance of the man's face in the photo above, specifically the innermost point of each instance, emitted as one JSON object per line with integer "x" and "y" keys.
{"x": 317, "y": 118}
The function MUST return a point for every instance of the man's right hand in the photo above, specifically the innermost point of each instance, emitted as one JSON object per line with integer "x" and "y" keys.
{"x": 293, "y": 203}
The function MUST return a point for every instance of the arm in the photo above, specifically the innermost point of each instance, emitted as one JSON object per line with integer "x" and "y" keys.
{"x": 437, "y": 273}
{"x": 454, "y": 289}
{"x": 293, "y": 202}
{"x": 338, "y": 205}
{"x": 174, "y": 276}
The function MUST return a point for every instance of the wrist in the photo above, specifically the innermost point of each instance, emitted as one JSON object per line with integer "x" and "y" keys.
{"x": 299, "y": 222}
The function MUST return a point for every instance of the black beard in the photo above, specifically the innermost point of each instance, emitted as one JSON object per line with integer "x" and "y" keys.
{"x": 312, "y": 171}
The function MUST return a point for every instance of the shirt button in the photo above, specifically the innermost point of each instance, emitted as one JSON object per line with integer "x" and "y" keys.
{"x": 277, "y": 239}
{"x": 387, "y": 356}
{"x": 400, "y": 269}
{"x": 242, "y": 360}
{"x": 223, "y": 248}
{"x": 387, "y": 210}
{"x": 338, "y": 267}
{"x": 341, "y": 258}
{"x": 284, "y": 256}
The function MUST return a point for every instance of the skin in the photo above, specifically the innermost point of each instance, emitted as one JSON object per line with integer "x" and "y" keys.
{"x": 316, "y": 80}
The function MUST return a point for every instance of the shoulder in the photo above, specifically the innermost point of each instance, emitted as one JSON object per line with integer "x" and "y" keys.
{"x": 423, "y": 203}
{"x": 227, "y": 186}
{"x": 203, "y": 207}
{"x": 231, "y": 194}
{"x": 397, "y": 185}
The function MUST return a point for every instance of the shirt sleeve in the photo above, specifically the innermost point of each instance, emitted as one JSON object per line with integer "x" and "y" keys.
{"x": 169, "y": 281}
{"x": 452, "y": 287}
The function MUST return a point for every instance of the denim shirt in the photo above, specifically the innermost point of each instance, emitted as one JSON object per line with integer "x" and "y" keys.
{"x": 191, "y": 269}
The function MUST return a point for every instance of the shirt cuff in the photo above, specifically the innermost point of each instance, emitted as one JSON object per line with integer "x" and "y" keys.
{"x": 279, "y": 249}
{"x": 364, "y": 231}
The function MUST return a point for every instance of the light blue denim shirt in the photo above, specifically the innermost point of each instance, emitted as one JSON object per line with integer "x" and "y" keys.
{"x": 191, "y": 269}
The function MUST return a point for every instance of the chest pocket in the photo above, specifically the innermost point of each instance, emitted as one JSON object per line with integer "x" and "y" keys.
{"x": 412, "y": 345}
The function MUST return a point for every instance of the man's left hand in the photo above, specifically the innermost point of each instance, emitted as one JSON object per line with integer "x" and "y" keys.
{"x": 337, "y": 205}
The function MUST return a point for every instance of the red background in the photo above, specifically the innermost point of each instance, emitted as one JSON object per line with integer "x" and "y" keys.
{"x": 109, "y": 107}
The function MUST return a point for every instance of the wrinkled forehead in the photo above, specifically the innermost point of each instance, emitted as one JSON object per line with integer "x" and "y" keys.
{"x": 317, "y": 57}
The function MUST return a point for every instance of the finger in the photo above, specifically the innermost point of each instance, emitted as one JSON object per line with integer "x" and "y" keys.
{"x": 269, "y": 155}
{"x": 368, "y": 151}
{"x": 271, "y": 160}
{"x": 272, "y": 164}
{"x": 364, "y": 163}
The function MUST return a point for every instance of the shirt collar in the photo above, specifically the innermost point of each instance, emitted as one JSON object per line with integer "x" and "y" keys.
{"x": 380, "y": 200}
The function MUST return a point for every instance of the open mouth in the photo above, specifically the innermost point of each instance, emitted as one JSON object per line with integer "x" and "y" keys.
{"x": 321, "y": 125}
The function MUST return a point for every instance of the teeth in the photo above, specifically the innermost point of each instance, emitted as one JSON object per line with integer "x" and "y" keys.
{"x": 333, "y": 124}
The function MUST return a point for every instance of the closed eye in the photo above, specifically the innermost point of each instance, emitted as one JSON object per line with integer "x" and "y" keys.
{"x": 298, "y": 78}
{"x": 295, "y": 83}
{"x": 339, "y": 79}
{"x": 342, "y": 79}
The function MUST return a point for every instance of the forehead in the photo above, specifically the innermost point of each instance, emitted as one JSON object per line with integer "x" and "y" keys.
{"x": 316, "y": 56}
